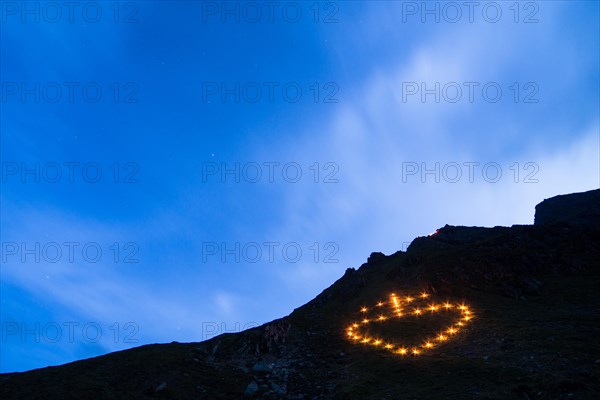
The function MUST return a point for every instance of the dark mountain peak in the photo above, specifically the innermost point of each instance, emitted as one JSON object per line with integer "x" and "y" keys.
{"x": 376, "y": 258}
{"x": 581, "y": 209}
{"x": 533, "y": 290}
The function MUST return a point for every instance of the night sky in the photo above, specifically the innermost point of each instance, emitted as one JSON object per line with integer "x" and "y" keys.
{"x": 176, "y": 170}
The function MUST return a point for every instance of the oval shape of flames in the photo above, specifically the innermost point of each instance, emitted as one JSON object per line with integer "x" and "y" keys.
{"x": 404, "y": 306}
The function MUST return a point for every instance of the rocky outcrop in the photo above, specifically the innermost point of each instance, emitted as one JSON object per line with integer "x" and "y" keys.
{"x": 581, "y": 209}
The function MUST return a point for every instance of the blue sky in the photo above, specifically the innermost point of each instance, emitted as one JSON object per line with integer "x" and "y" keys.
{"x": 330, "y": 113}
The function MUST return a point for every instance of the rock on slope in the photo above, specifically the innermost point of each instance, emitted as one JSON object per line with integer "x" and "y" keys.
{"x": 534, "y": 289}
{"x": 582, "y": 209}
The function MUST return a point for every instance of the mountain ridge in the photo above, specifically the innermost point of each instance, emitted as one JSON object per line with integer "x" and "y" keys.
{"x": 532, "y": 287}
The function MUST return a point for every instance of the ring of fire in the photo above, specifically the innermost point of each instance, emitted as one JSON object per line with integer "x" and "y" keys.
{"x": 400, "y": 307}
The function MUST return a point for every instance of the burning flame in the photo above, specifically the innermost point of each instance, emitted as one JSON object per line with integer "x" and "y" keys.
{"x": 395, "y": 305}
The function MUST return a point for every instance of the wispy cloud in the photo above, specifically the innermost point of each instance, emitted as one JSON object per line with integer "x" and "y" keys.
{"x": 374, "y": 133}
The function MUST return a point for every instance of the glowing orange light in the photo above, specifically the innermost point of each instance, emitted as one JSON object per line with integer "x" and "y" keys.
{"x": 420, "y": 307}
